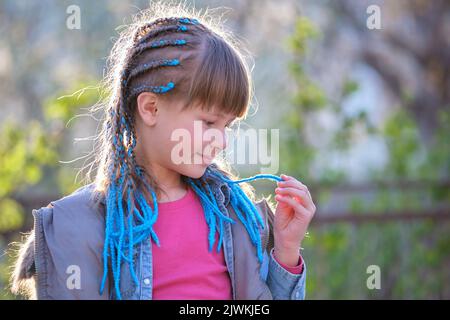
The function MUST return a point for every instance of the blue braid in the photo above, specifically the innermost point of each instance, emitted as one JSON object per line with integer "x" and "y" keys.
{"x": 240, "y": 202}
{"x": 130, "y": 240}
{"x": 118, "y": 237}
{"x": 126, "y": 237}
{"x": 213, "y": 222}
{"x": 163, "y": 43}
{"x": 188, "y": 21}
{"x": 170, "y": 28}
{"x": 120, "y": 220}
{"x": 204, "y": 198}
{"x": 156, "y": 89}
{"x": 258, "y": 176}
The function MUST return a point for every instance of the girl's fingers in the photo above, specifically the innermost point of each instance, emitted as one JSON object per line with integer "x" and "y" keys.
{"x": 292, "y": 182}
{"x": 293, "y": 203}
{"x": 307, "y": 202}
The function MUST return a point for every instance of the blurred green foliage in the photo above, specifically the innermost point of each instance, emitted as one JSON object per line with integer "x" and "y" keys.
{"x": 413, "y": 256}
{"x": 29, "y": 159}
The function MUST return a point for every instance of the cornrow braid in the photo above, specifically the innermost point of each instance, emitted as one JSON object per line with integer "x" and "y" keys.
{"x": 180, "y": 26}
{"x": 156, "y": 89}
{"x": 151, "y": 65}
{"x": 142, "y": 45}
{"x": 157, "y": 44}
{"x": 142, "y": 30}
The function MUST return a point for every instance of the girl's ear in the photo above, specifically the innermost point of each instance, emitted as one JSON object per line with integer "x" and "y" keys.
{"x": 147, "y": 107}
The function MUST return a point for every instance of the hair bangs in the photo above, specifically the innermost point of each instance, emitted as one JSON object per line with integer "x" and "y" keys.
{"x": 221, "y": 81}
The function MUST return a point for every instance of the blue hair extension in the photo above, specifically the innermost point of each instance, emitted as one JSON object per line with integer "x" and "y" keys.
{"x": 188, "y": 21}
{"x": 164, "y": 43}
{"x": 212, "y": 219}
{"x": 258, "y": 176}
{"x": 242, "y": 204}
{"x": 154, "y": 24}
{"x": 167, "y": 28}
{"x": 130, "y": 238}
{"x": 157, "y": 44}
{"x": 121, "y": 232}
{"x": 149, "y": 66}
{"x": 156, "y": 89}
{"x": 214, "y": 226}
{"x": 204, "y": 198}
{"x": 120, "y": 237}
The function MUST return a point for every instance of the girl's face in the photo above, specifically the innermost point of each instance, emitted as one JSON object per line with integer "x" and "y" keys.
{"x": 184, "y": 141}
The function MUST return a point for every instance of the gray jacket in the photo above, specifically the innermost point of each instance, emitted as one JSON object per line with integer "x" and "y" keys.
{"x": 68, "y": 237}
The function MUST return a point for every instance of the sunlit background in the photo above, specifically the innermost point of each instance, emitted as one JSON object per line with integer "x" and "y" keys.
{"x": 363, "y": 115}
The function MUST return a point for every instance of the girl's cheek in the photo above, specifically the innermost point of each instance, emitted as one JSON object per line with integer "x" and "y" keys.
{"x": 203, "y": 140}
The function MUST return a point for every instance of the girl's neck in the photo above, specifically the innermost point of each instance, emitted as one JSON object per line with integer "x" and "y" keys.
{"x": 170, "y": 182}
{"x": 173, "y": 194}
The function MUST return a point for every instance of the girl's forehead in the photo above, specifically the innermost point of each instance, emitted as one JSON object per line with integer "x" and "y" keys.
{"x": 214, "y": 111}
{"x": 203, "y": 107}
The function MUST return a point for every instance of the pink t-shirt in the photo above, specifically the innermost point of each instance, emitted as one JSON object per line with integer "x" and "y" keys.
{"x": 183, "y": 268}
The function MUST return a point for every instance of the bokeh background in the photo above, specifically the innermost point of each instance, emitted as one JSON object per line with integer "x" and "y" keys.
{"x": 364, "y": 119}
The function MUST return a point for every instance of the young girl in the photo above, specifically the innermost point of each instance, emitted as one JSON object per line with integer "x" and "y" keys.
{"x": 150, "y": 227}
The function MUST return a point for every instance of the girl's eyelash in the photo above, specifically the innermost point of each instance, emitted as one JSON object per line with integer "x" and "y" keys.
{"x": 211, "y": 123}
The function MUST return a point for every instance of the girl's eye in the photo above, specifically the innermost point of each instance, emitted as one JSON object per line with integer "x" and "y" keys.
{"x": 212, "y": 123}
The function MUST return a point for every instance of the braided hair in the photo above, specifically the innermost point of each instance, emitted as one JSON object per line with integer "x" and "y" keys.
{"x": 163, "y": 56}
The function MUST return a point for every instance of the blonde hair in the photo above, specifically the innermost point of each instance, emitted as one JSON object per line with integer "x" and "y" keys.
{"x": 212, "y": 71}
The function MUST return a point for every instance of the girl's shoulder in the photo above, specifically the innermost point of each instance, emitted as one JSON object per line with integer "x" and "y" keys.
{"x": 83, "y": 196}
{"x": 73, "y": 221}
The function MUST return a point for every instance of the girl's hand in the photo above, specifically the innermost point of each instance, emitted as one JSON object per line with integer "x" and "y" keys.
{"x": 293, "y": 214}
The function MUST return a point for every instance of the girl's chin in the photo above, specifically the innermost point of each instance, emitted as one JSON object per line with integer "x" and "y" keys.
{"x": 195, "y": 171}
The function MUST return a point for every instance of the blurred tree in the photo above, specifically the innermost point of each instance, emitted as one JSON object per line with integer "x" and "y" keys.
{"x": 29, "y": 155}
{"x": 413, "y": 40}
{"x": 413, "y": 256}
